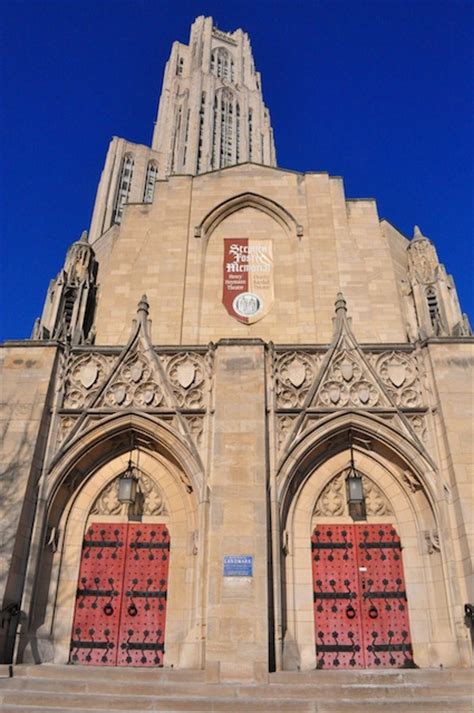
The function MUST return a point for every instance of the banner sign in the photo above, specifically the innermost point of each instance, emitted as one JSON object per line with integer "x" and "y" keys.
{"x": 248, "y": 278}
{"x": 235, "y": 566}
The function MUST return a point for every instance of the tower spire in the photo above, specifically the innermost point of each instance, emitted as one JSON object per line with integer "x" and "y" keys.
{"x": 211, "y": 112}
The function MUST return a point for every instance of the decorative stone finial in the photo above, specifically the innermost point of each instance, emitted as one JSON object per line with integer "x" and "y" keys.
{"x": 143, "y": 305}
{"x": 417, "y": 234}
{"x": 84, "y": 237}
{"x": 340, "y": 304}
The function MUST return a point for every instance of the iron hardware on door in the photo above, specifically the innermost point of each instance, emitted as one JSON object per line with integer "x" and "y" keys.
{"x": 135, "y": 558}
{"x": 361, "y": 618}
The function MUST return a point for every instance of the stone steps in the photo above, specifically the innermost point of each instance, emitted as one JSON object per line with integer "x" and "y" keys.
{"x": 109, "y": 672}
{"x": 170, "y": 675}
{"x": 74, "y": 689}
{"x": 293, "y": 690}
{"x": 217, "y": 704}
{"x": 425, "y": 675}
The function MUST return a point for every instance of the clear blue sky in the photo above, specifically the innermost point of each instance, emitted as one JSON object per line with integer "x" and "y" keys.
{"x": 378, "y": 92}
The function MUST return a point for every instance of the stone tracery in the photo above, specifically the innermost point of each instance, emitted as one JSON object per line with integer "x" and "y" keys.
{"x": 332, "y": 501}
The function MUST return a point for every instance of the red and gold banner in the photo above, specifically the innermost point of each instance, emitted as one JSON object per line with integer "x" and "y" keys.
{"x": 248, "y": 278}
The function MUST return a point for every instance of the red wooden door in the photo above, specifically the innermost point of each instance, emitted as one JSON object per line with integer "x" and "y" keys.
{"x": 142, "y": 621}
{"x": 360, "y": 609}
{"x": 121, "y": 596}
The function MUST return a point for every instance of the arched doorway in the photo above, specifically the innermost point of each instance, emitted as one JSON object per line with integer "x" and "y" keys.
{"x": 407, "y": 507}
{"x": 360, "y": 601}
{"x": 122, "y": 590}
{"x": 85, "y": 519}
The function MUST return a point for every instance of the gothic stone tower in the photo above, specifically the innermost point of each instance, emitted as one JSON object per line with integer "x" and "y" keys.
{"x": 211, "y": 115}
{"x": 270, "y": 450}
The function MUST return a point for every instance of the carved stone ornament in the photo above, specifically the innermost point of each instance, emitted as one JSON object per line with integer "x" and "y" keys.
{"x": 399, "y": 373}
{"x": 196, "y": 426}
{"x": 83, "y": 377}
{"x": 187, "y": 374}
{"x": 411, "y": 480}
{"x": 366, "y": 393}
{"x": 88, "y": 374}
{"x": 335, "y": 393}
{"x": 333, "y": 500}
{"x": 375, "y": 501}
{"x": 285, "y": 423}
{"x": 347, "y": 369}
{"x": 422, "y": 261}
{"x": 119, "y": 392}
{"x": 149, "y": 500}
{"x": 396, "y": 372}
{"x": 135, "y": 384}
{"x": 66, "y": 424}
{"x": 294, "y": 373}
{"x": 347, "y": 383}
{"x": 432, "y": 542}
{"x": 418, "y": 422}
{"x": 136, "y": 371}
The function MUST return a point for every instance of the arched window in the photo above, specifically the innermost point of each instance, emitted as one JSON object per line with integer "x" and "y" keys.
{"x": 237, "y": 132}
{"x": 177, "y": 129}
{"x": 149, "y": 190}
{"x": 227, "y": 127}
{"x": 215, "y": 115}
{"x": 186, "y": 136}
{"x": 124, "y": 185}
{"x": 222, "y": 64}
{"x": 202, "y": 110}
{"x": 250, "y": 132}
{"x": 433, "y": 307}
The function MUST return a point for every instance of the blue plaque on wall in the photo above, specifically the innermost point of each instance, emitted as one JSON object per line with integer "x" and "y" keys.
{"x": 238, "y": 566}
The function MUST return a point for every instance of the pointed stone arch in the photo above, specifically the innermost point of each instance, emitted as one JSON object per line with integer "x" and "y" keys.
{"x": 330, "y": 434}
{"x": 248, "y": 200}
{"x": 114, "y": 434}
{"x": 88, "y": 466}
{"x": 418, "y": 503}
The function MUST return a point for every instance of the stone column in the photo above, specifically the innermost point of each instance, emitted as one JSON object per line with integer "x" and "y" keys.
{"x": 237, "y": 635}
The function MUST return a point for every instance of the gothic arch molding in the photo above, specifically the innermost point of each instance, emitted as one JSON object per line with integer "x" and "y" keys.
{"x": 248, "y": 200}
{"x": 114, "y": 434}
{"x": 95, "y": 459}
{"x": 419, "y": 512}
{"x": 330, "y": 435}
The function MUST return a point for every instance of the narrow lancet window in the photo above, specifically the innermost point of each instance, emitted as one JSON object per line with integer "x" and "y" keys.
{"x": 237, "y": 133}
{"x": 433, "y": 307}
{"x": 186, "y": 135}
{"x": 227, "y": 126}
{"x": 250, "y": 127}
{"x": 202, "y": 109}
{"x": 149, "y": 190}
{"x": 214, "y": 132}
{"x": 177, "y": 129}
{"x": 222, "y": 64}
{"x": 124, "y": 186}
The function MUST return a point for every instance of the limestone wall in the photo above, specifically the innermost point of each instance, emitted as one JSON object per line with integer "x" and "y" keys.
{"x": 321, "y": 243}
{"x": 25, "y": 378}
{"x": 451, "y": 365}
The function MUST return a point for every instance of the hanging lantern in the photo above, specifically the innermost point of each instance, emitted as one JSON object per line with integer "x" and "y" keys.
{"x": 355, "y": 491}
{"x": 127, "y": 485}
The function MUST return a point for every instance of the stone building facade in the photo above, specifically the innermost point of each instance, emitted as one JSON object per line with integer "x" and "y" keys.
{"x": 245, "y": 343}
